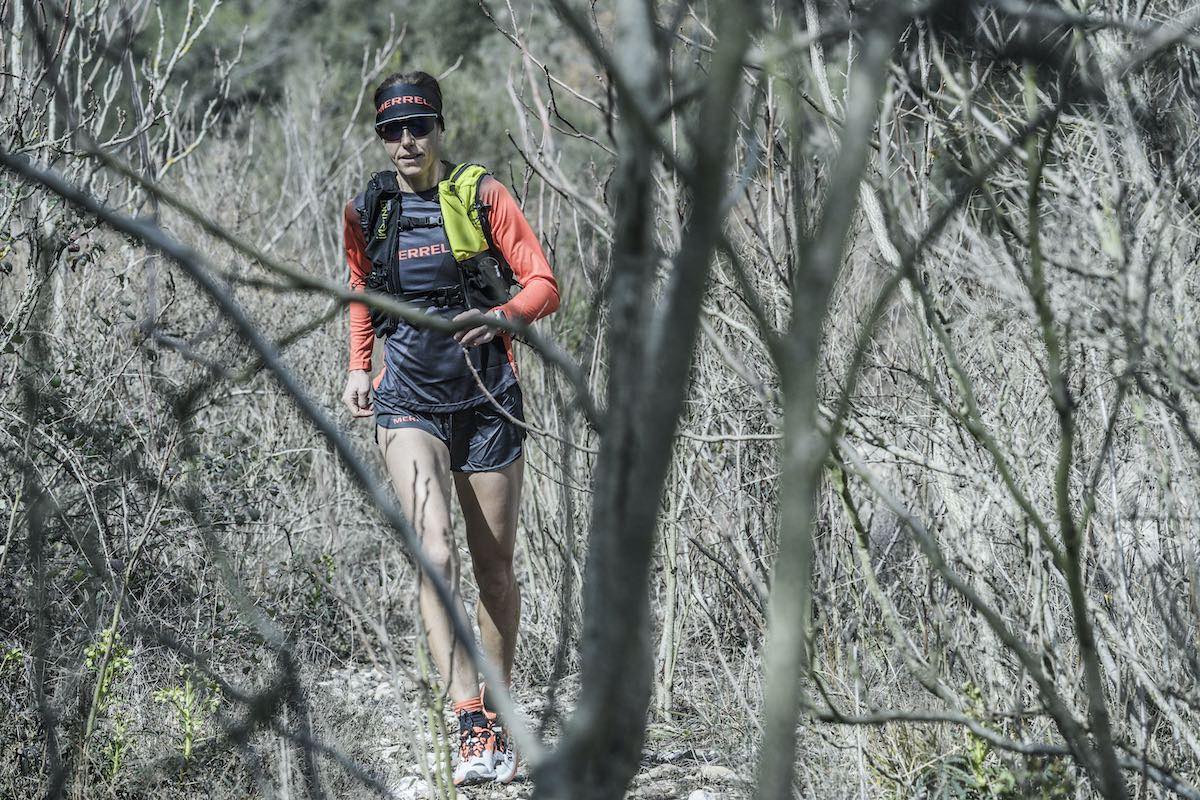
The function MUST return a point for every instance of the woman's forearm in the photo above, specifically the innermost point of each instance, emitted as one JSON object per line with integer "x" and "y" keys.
{"x": 362, "y": 334}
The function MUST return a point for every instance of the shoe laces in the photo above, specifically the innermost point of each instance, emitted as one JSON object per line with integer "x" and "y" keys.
{"x": 475, "y": 734}
{"x": 499, "y": 737}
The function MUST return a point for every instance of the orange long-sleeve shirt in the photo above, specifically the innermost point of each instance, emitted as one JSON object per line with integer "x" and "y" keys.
{"x": 512, "y": 236}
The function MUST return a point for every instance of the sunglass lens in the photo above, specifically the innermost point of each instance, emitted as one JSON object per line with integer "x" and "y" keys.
{"x": 391, "y": 131}
{"x": 394, "y": 131}
{"x": 421, "y": 126}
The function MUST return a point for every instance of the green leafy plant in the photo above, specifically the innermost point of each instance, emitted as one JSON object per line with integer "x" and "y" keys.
{"x": 116, "y": 746}
{"x": 109, "y": 659}
{"x": 193, "y": 701}
{"x": 322, "y": 574}
{"x": 11, "y": 660}
{"x": 981, "y": 772}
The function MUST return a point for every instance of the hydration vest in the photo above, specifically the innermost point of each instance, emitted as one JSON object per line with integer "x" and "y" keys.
{"x": 485, "y": 278}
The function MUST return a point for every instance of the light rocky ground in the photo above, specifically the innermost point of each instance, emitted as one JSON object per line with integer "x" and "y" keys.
{"x": 384, "y": 708}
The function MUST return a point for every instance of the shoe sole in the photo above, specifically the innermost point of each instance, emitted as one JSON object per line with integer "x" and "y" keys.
{"x": 516, "y": 769}
{"x": 472, "y": 778}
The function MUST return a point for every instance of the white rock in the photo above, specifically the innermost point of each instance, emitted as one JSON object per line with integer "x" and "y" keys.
{"x": 662, "y": 772}
{"x": 410, "y": 788}
{"x": 655, "y": 789}
{"x": 700, "y": 794}
{"x": 718, "y": 774}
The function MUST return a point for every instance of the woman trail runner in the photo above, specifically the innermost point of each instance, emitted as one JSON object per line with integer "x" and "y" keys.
{"x": 452, "y": 240}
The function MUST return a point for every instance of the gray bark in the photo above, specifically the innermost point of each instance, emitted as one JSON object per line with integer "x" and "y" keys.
{"x": 651, "y": 350}
{"x": 805, "y": 447}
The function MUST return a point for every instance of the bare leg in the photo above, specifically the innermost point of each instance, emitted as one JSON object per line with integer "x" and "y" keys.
{"x": 419, "y": 466}
{"x": 490, "y": 503}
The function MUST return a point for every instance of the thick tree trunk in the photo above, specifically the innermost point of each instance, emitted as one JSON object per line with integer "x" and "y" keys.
{"x": 651, "y": 348}
{"x": 805, "y": 448}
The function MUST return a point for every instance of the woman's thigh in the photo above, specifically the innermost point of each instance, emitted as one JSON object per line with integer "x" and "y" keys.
{"x": 490, "y": 502}
{"x": 418, "y": 465}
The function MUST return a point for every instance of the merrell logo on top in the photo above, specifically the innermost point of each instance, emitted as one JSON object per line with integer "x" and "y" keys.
{"x": 423, "y": 252}
{"x": 404, "y": 99}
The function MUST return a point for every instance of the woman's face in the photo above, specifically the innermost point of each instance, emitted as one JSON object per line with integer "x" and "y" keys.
{"x": 416, "y": 157}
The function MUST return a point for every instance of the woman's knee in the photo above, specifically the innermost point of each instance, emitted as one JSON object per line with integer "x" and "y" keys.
{"x": 495, "y": 578}
{"x": 441, "y": 557}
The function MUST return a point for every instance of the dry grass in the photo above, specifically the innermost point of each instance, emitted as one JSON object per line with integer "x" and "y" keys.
{"x": 124, "y": 488}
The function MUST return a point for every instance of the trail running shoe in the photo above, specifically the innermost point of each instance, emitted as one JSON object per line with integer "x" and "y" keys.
{"x": 476, "y": 748}
{"x": 504, "y": 751}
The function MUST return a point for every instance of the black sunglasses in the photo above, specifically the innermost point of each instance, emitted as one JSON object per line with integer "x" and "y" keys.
{"x": 393, "y": 130}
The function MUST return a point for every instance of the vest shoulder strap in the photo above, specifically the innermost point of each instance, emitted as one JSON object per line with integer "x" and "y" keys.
{"x": 381, "y": 188}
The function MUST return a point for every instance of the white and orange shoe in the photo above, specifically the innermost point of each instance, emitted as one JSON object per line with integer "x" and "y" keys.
{"x": 505, "y": 760}
{"x": 476, "y": 748}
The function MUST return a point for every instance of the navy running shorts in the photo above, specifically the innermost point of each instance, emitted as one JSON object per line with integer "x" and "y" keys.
{"x": 479, "y": 438}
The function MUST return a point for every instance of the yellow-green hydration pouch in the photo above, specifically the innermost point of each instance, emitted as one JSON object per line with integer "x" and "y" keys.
{"x": 459, "y": 198}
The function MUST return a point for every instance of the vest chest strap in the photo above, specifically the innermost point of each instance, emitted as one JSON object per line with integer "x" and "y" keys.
{"x": 409, "y": 223}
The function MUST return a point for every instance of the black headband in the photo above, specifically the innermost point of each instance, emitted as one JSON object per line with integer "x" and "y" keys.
{"x": 406, "y": 100}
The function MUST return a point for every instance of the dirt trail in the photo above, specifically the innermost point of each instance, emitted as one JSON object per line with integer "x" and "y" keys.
{"x": 383, "y": 709}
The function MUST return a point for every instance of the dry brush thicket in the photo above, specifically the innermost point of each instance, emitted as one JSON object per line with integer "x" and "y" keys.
{"x": 929, "y": 501}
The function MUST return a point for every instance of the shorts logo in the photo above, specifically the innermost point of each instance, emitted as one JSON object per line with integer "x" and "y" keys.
{"x": 400, "y": 419}
{"x": 423, "y": 252}
{"x": 404, "y": 99}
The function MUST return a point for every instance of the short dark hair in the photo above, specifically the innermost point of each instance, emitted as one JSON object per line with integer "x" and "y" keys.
{"x": 416, "y": 78}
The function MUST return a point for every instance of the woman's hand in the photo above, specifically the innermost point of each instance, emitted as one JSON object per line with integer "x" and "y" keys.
{"x": 357, "y": 396}
{"x": 481, "y": 333}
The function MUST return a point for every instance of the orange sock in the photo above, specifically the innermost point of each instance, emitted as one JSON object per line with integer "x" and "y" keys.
{"x": 465, "y": 706}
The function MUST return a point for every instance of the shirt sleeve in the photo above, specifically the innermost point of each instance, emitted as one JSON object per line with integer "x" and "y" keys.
{"x": 519, "y": 245}
{"x": 362, "y": 335}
